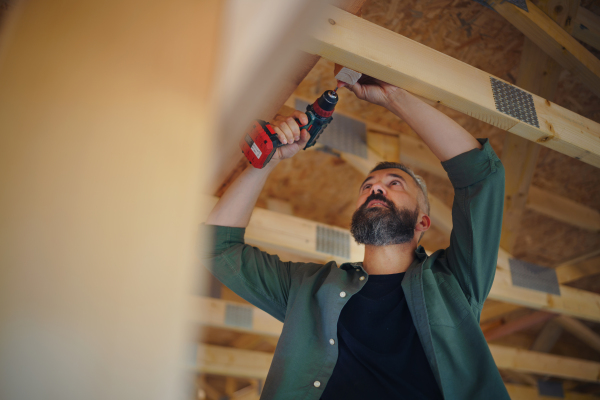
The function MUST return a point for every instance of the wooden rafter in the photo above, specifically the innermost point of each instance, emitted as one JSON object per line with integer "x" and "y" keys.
{"x": 554, "y": 40}
{"x": 415, "y": 153}
{"x": 538, "y": 73}
{"x": 522, "y": 392}
{"x": 518, "y": 324}
{"x": 255, "y": 364}
{"x": 586, "y": 27}
{"x": 376, "y": 51}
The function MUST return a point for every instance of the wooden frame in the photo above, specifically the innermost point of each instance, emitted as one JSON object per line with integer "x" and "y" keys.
{"x": 366, "y": 47}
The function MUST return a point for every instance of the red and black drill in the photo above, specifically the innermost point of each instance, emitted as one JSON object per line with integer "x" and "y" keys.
{"x": 260, "y": 142}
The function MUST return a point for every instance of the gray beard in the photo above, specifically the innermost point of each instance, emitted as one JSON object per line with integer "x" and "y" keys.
{"x": 380, "y": 226}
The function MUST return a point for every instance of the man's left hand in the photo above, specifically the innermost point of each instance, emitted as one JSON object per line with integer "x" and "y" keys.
{"x": 375, "y": 91}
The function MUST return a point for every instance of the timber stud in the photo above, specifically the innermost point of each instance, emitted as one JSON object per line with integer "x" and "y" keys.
{"x": 331, "y": 21}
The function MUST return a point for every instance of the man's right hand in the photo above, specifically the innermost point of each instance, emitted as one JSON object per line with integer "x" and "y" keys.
{"x": 288, "y": 132}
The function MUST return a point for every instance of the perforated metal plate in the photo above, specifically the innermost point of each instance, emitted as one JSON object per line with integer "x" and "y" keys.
{"x": 343, "y": 133}
{"x": 534, "y": 277}
{"x": 239, "y": 316}
{"x": 333, "y": 242}
{"x": 551, "y": 389}
{"x": 515, "y": 102}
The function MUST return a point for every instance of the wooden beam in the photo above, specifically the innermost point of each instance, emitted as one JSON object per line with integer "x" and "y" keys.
{"x": 545, "y": 364}
{"x": 298, "y": 235}
{"x": 385, "y": 145}
{"x": 586, "y": 27}
{"x": 208, "y": 311}
{"x": 415, "y": 154}
{"x": 493, "y": 309}
{"x": 260, "y": 68}
{"x": 547, "y": 338}
{"x": 538, "y": 73}
{"x": 571, "y": 272}
{"x": 518, "y": 325}
{"x": 522, "y": 392}
{"x": 228, "y": 361}
{"x": 580, "y": 331}
{"x": 365, "y": 47}
{"x": 554, "y": 40}
{"x": 571, "y": 212}
{"x": 255, "y": 364}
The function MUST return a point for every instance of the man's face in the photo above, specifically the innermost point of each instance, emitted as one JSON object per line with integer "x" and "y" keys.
{"x": 387, "y": 209}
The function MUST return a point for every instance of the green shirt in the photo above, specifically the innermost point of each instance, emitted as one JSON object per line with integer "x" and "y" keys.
{"x": 445, "y": 293}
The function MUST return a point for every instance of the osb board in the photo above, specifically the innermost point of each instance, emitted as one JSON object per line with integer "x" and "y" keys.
{"x": 323, "y": 188}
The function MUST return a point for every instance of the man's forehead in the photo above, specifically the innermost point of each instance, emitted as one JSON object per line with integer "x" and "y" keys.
{"x": 394, "y": 172}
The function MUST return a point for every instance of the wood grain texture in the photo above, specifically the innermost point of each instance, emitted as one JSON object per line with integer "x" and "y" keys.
{"x": 365, "y": 47}
{"x": 586, "y": 27}
{"x": 554, "y": 40}
{"x": 538, "y": 73}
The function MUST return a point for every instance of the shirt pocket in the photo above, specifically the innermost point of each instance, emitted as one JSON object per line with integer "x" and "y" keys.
{"x": 445, "y": 305}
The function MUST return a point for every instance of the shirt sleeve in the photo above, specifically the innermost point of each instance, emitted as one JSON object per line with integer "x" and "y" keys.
{"x": 478, "y": 180}
{"x": 258, "y": 277}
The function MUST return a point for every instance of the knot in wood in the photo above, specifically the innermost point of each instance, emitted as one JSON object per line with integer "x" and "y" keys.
{"x": 331, "y": 21}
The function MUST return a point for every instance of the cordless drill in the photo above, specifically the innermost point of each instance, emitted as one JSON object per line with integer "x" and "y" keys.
{"x": 260, "y": 142}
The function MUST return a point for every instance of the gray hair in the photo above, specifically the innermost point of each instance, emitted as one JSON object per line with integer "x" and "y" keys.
{"x": 424, "y": 200}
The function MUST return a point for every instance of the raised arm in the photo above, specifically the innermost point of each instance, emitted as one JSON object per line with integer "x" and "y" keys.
{"x": 444, "y": 136}
{"x": 235, "y": 207}
{"x": 477, "y": 176}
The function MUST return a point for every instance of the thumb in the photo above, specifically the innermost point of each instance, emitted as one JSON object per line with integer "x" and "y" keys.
{"x": 304, "y": 137}
{"x": 357, "y": 89}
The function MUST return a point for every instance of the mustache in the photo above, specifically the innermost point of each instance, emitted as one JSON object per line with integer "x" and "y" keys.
{"x": 380, "y": 197}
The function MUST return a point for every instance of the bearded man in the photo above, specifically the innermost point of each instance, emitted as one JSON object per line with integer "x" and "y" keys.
{"x": 401, "y": 324}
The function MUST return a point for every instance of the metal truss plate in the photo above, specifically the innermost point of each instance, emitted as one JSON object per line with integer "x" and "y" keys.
{"x": 332, "y": 241}
{"x": 239, "y": 316}
{"x": 515, "y": 102}
{"x": 534, "y": 277}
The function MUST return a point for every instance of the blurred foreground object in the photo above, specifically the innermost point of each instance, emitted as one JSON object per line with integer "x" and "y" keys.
{"x": 108, "y": 122}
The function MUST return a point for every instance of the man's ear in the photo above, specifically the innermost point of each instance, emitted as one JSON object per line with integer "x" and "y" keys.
{"x": 423, "y": 224}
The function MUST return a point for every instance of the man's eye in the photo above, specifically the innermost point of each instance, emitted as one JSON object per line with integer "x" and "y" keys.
{"x": 395, "y": 183}
{"x": 366, "y": 187}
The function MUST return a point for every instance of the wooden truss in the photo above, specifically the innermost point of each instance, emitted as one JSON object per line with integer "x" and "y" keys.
{"x": 376, "y": 51}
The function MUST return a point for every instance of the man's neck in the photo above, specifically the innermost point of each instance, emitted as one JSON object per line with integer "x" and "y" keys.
{"x": 392, "y": 259}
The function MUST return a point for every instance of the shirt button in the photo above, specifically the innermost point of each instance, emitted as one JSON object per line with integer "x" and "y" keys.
{"x": 358, "y": 269}
{"x": 331, "y": 342}
{"x": 342, "y": 294}
{"x": 317, "y": 383}
{"x": 362, "y": 278}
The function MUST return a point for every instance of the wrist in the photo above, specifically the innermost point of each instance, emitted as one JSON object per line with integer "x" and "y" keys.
{"x": 396, "y": 101}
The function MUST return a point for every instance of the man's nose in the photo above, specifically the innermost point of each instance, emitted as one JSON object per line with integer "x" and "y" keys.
{"x": 378, "y": 188}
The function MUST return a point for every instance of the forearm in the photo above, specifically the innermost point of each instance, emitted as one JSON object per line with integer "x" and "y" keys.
{"x": 235, "y": 207}
{"x": 441, "y": 134}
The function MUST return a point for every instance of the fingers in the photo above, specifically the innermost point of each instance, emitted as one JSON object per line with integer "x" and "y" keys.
{"x": 304, "y": 136}
{"x": 287, "y": 128}
{"x": 299, "y": 115}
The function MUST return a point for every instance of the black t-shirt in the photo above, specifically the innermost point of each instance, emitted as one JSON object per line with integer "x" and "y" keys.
{"x": 380, "y": 354}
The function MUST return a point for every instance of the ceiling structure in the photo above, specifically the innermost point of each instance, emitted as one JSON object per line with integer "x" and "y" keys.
{"x": 322, "y": 187}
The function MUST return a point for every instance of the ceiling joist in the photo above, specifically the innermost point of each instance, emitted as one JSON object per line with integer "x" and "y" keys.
{"x": 378, "y": 52}
{"x": 229, "y": 361}
{"x": 554, "y": 40}
{"x": 299, "y": 236}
